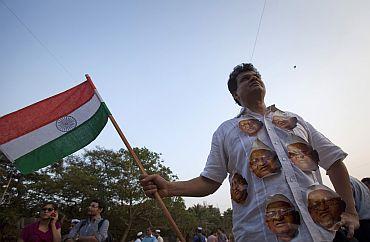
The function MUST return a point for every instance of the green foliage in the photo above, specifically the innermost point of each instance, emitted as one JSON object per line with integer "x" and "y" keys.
{"x": 109, "y": 175}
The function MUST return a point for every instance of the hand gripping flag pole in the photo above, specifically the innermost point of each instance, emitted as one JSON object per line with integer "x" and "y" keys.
{"x": 138, "y": 162}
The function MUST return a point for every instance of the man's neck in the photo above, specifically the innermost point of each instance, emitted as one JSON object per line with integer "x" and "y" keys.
{"x": 257, "y": 107}
{"x": 93, "y": 218}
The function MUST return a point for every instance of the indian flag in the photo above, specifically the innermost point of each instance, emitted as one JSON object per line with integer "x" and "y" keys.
{"x": 47, "y": 131}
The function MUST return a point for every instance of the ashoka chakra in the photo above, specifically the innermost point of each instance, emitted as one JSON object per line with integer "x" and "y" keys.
{"x": 66, "y": 123}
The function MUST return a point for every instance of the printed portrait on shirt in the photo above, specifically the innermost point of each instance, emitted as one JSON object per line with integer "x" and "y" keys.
{"x": 263, "y": 161}
{"x": 325, "y": 206}
{"x": 250, "y": 126}
{"x": 281, "y": 217}
{"x": 239, "y": 188}
{"x": 283, "y": 121}
{"x": 302, "y": 154}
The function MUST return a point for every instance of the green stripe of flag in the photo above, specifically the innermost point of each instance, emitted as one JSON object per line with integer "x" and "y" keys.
{"x": 65, "y": 144}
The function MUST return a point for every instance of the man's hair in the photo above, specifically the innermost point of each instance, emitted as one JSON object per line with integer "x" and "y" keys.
{"x": 243, "y": 67}
{"x": 366, "y": 180}
{"x": 100, "y": 203}
{"x": 55, "y": 206}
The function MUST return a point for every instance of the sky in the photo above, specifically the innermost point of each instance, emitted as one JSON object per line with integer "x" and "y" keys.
{"x": 162, "y": 68}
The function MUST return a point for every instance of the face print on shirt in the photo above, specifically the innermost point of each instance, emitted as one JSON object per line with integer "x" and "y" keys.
{"x": 239, "y": 188}
{"x": 325, "y": 206}
{"x": 303, "y": 156}
{"x": 250, "y": 126}
{"x": 283, "y": 121}
{"x": 263, "y": 162}
{"x": 281, "y": 217}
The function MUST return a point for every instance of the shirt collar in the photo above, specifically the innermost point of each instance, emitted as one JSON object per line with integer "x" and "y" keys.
{"x": 247, "y": 111}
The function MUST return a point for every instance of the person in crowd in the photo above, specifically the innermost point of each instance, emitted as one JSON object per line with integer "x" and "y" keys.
{"x": 366, "y": 181}
{"x": 46, "y": 229}
{"x": 199, "y": 236}
{"x": 213, "y": 236}
{"x": 221, "y": 236}
{"x": 158, "y": 235}
{"x": 93, "y": 228}
{"x": 149, "y": 237}
{"x": 139, "y": 237}
{"x": 262, "y": 159}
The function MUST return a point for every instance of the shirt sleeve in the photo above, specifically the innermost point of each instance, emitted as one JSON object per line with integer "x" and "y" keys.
{"x": 328, "y": 152}
{"x": 215, "y": 168}
{"x": 102, "y": 233}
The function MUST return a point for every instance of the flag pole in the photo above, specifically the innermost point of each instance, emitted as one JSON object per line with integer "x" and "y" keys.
{"x": 6, "y": 188}
{"x": 141, "y": 167}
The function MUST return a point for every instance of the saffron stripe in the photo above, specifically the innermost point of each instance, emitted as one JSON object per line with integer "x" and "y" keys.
{"x": 65, "y": 144}
{"x": 24, "y": 144}
{"x": 43, "y": 112}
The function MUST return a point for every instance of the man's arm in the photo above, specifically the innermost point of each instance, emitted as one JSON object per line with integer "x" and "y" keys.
{"x": 338, "y": 175}
{"x": 196, "y": 187}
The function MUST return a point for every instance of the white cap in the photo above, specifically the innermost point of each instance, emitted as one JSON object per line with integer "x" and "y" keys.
{"x": 139, "y": 234}
{"x": 199, "y": 228}
{"x": 158, "y": 230}
{"x": 75, "y": 221}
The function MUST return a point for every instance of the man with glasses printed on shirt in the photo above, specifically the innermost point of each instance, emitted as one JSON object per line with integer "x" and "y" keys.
{"x": 92, "y": 229}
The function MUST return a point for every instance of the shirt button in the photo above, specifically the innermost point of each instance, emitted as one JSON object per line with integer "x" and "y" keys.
{"x": 292, "y": 179}
{"x": 269, "y": 128}
{"x": 284, "y": 158}
{"x": 275, "y": 143}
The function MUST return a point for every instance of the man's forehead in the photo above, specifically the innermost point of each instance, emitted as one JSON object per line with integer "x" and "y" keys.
{"x": 246, "y": 73}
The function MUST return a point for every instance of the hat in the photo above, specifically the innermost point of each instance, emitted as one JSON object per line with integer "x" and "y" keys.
{"x": 199, "y": 228}
{"x": 139, "y": 234}
{"x": 259, "y": 145}
{"x": 158, "y": 230}
{"x": 75, "y": 221}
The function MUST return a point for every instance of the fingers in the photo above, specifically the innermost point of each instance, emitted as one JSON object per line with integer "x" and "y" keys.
{"x": 351, "y": 231}
{"x": 351, "y": 222}
{"x": 149, "y": 187}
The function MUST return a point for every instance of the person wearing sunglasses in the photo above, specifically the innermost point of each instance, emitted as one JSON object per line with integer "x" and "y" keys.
{"x": 46, "y": 229}
{"x": 268, "y": 170}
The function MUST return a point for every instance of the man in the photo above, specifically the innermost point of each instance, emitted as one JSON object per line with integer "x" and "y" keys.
{"x": 158, "y": 235}
{"x": 139, "y": 236}
{"x": 250, "y": 126}
{"x": 281, "y": 217}
{"x": 263, "y": 161}
{"x": 149, "y": 236}
{"x": 325, "y": 206}
{"x": 366, "y": 181}
{"x": 212, "y": 237}
{"x": 199, "y": 237}
{"x": 230, "y": 153}
{"x": 361, "y": 194}
{"x": 221, "y": 236}
{"x": 94, "y": 228}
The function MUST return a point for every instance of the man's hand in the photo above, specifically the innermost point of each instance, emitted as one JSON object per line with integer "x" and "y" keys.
{"x": 351, "y": 222}
{"x": 154, "y": 183}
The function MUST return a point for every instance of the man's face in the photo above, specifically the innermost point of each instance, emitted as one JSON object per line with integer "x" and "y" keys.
{"x": 282, "y": 122}
{"x": 148, "y": 232}
{"x": 239, "y": 188}
{"x": 46, "y": 211}
{"x": 263, "y": 163}
{"x": 325, "y": 208}
{"x": 301, "y": 155}
{"x": 249, "y": 85}
{"x": 280, "y": 218}
{"x": 250, "y": 126}
{"x": 94, "y": 209}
